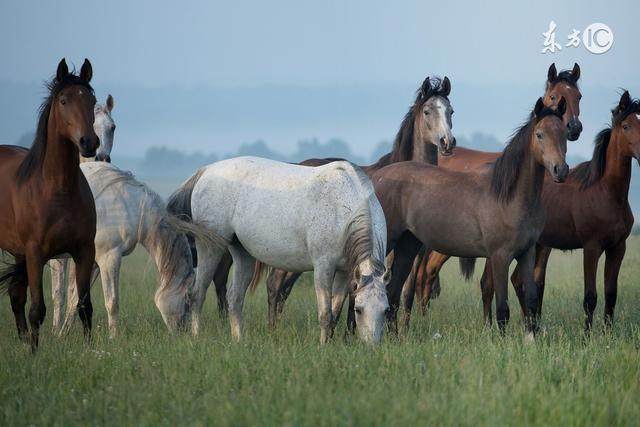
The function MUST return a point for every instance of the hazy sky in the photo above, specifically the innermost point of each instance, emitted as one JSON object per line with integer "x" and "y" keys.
{"x": 320, "y": 44}
{"x": 308, "y": 43}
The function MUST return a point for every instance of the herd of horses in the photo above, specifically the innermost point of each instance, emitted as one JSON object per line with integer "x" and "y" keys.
{"x": 376, "y": 236}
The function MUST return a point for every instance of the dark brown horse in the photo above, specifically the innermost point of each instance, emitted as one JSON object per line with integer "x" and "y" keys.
{"x": 48, "y": 208}
{"x": 425, "y": 131}
{"x": 591, "y": 211}
{"x": 495, "y": 213}
{"x": 425, "y": 277}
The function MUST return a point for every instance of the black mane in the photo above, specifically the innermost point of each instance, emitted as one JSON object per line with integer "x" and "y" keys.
{"x": 506, "y": 169}
{"x": 403, "y": 143}
{"x": 35, "y": 157}
{"x": 590, "y": 172}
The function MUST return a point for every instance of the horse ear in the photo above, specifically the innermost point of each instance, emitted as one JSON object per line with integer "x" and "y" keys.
{"x": 109, "y": 102}
{"x": 552, "y": 74}
{"x": 576, "y": 71}
{"x": 426, "y": 87}
{"x": 625, "y": 101}
{"x": 445, "y": 87}
{"x": 387, "y": 275}
{"x": 63, "y": 70}
{"x": 562, "y": 106}
{"x": 539, "y": 107}
{"x": 86, "y": 72}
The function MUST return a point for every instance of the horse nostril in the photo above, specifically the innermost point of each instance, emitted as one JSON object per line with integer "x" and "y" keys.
{"x": 442, "y": 140}
{"x": 555, "y": 170}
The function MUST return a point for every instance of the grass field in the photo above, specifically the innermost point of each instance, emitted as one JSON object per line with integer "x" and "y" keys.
{"x": 446, "y": 370}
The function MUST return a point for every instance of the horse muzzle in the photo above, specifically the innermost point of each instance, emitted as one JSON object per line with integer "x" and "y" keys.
{"x": 560, "y": 172}
{"x": 446, "y": 146}
{"x": 101, "y": 157}
{"x": 574, "y": 129}
{"x": 88, "y": 146}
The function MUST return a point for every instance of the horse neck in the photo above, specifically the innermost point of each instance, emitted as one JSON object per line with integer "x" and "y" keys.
{"x": 617, "y": 169}
{"x": 528, "y": 191}
{"x": 423, "y": 151}
{"x": 61, "y": 166}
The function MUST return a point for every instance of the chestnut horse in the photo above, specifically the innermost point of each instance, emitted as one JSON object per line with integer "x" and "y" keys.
{"x": 48, "y": 207}
{"x": 424, "y": 277}
{"x": 425, "y": 131}
{"x": 498, "y": 213}
{"x": 591, "y": 211}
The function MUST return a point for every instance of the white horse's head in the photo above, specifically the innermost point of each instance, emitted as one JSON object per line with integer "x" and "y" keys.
{"x": 371, "y": 304}
{"x": 105, "y": 127}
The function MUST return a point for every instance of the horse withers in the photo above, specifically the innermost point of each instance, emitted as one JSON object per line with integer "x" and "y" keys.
{"x": 48, "y": 208}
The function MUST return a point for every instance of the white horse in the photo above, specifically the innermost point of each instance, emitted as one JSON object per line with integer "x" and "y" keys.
{"x": 105, "y": 128}
{"x": 128, "y": 213}
{"x": 326, "y": 219}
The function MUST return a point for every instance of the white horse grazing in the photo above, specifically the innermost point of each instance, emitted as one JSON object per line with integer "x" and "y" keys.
{"x": 326, "y": 219}
{"x": 128, "y": 213}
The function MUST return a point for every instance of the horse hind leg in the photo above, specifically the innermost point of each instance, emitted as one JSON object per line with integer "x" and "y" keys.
{"x": 37, "y": 311}
{"x": 591, "y": 254}
{"x": 243, "y": 272}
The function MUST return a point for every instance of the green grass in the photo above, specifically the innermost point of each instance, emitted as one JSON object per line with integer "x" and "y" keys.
{"x": 447, "y": 369}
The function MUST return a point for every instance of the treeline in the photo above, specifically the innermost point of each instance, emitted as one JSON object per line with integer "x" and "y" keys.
{"x": 163, "y": 161}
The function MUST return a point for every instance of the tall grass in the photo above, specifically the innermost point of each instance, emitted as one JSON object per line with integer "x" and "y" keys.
{"x": 446, "y": 369}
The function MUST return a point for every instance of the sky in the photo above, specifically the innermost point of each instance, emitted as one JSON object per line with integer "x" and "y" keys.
{"x": 327, "y": 44}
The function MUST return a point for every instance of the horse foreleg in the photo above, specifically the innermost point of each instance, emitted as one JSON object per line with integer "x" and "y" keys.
{"x": 109, "y": 264}
{"x": 591, "y": 254}
{"x": 243, "y": 271}
{"x": 279, "y": 285}
{"x": 85, "y": 261}
{"x": 339, "y": 293}
{"x": 614, "y": 255}
{"x": 323, "y": 281}
{"x": 35, "y": 265}
{"x": 18, "y": 294}
{"x": 58, "y": 291}
{"x": 220, "y": 279}
{"x": 409, "y": 290}
{"x": 405, "y": 252}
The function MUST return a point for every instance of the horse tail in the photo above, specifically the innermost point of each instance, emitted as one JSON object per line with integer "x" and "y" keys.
{"x": 259, "y": 269}
{"x": 179, "y": 203}
{"x": 467, "y": 266}
{"x": 11, "y": 275}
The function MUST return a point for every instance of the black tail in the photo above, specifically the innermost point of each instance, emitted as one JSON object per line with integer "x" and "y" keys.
{"x": 179, "y": 203}
{"x": 12, "y": 274}
{"x": 467, "y": 266}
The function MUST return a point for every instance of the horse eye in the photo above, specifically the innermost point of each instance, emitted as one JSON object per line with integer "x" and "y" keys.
{"x": 625, "y": 127}
{"x": 553, "y": 97}
{"x": 538, "y": 135}
{"x": 358, "y": 310}
{"x": 63, "y": 101}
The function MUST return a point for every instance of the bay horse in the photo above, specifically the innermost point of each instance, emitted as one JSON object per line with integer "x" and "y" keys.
{"x": 498, "y": 211}
{"x": 129, "y": 213}
{"x": 425, "y": 277}
{"x": 424, "y": 133}
{"x": 590, "y": 211}
{"x": 297, "y": 218}
{"x": 48, "y": 208}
